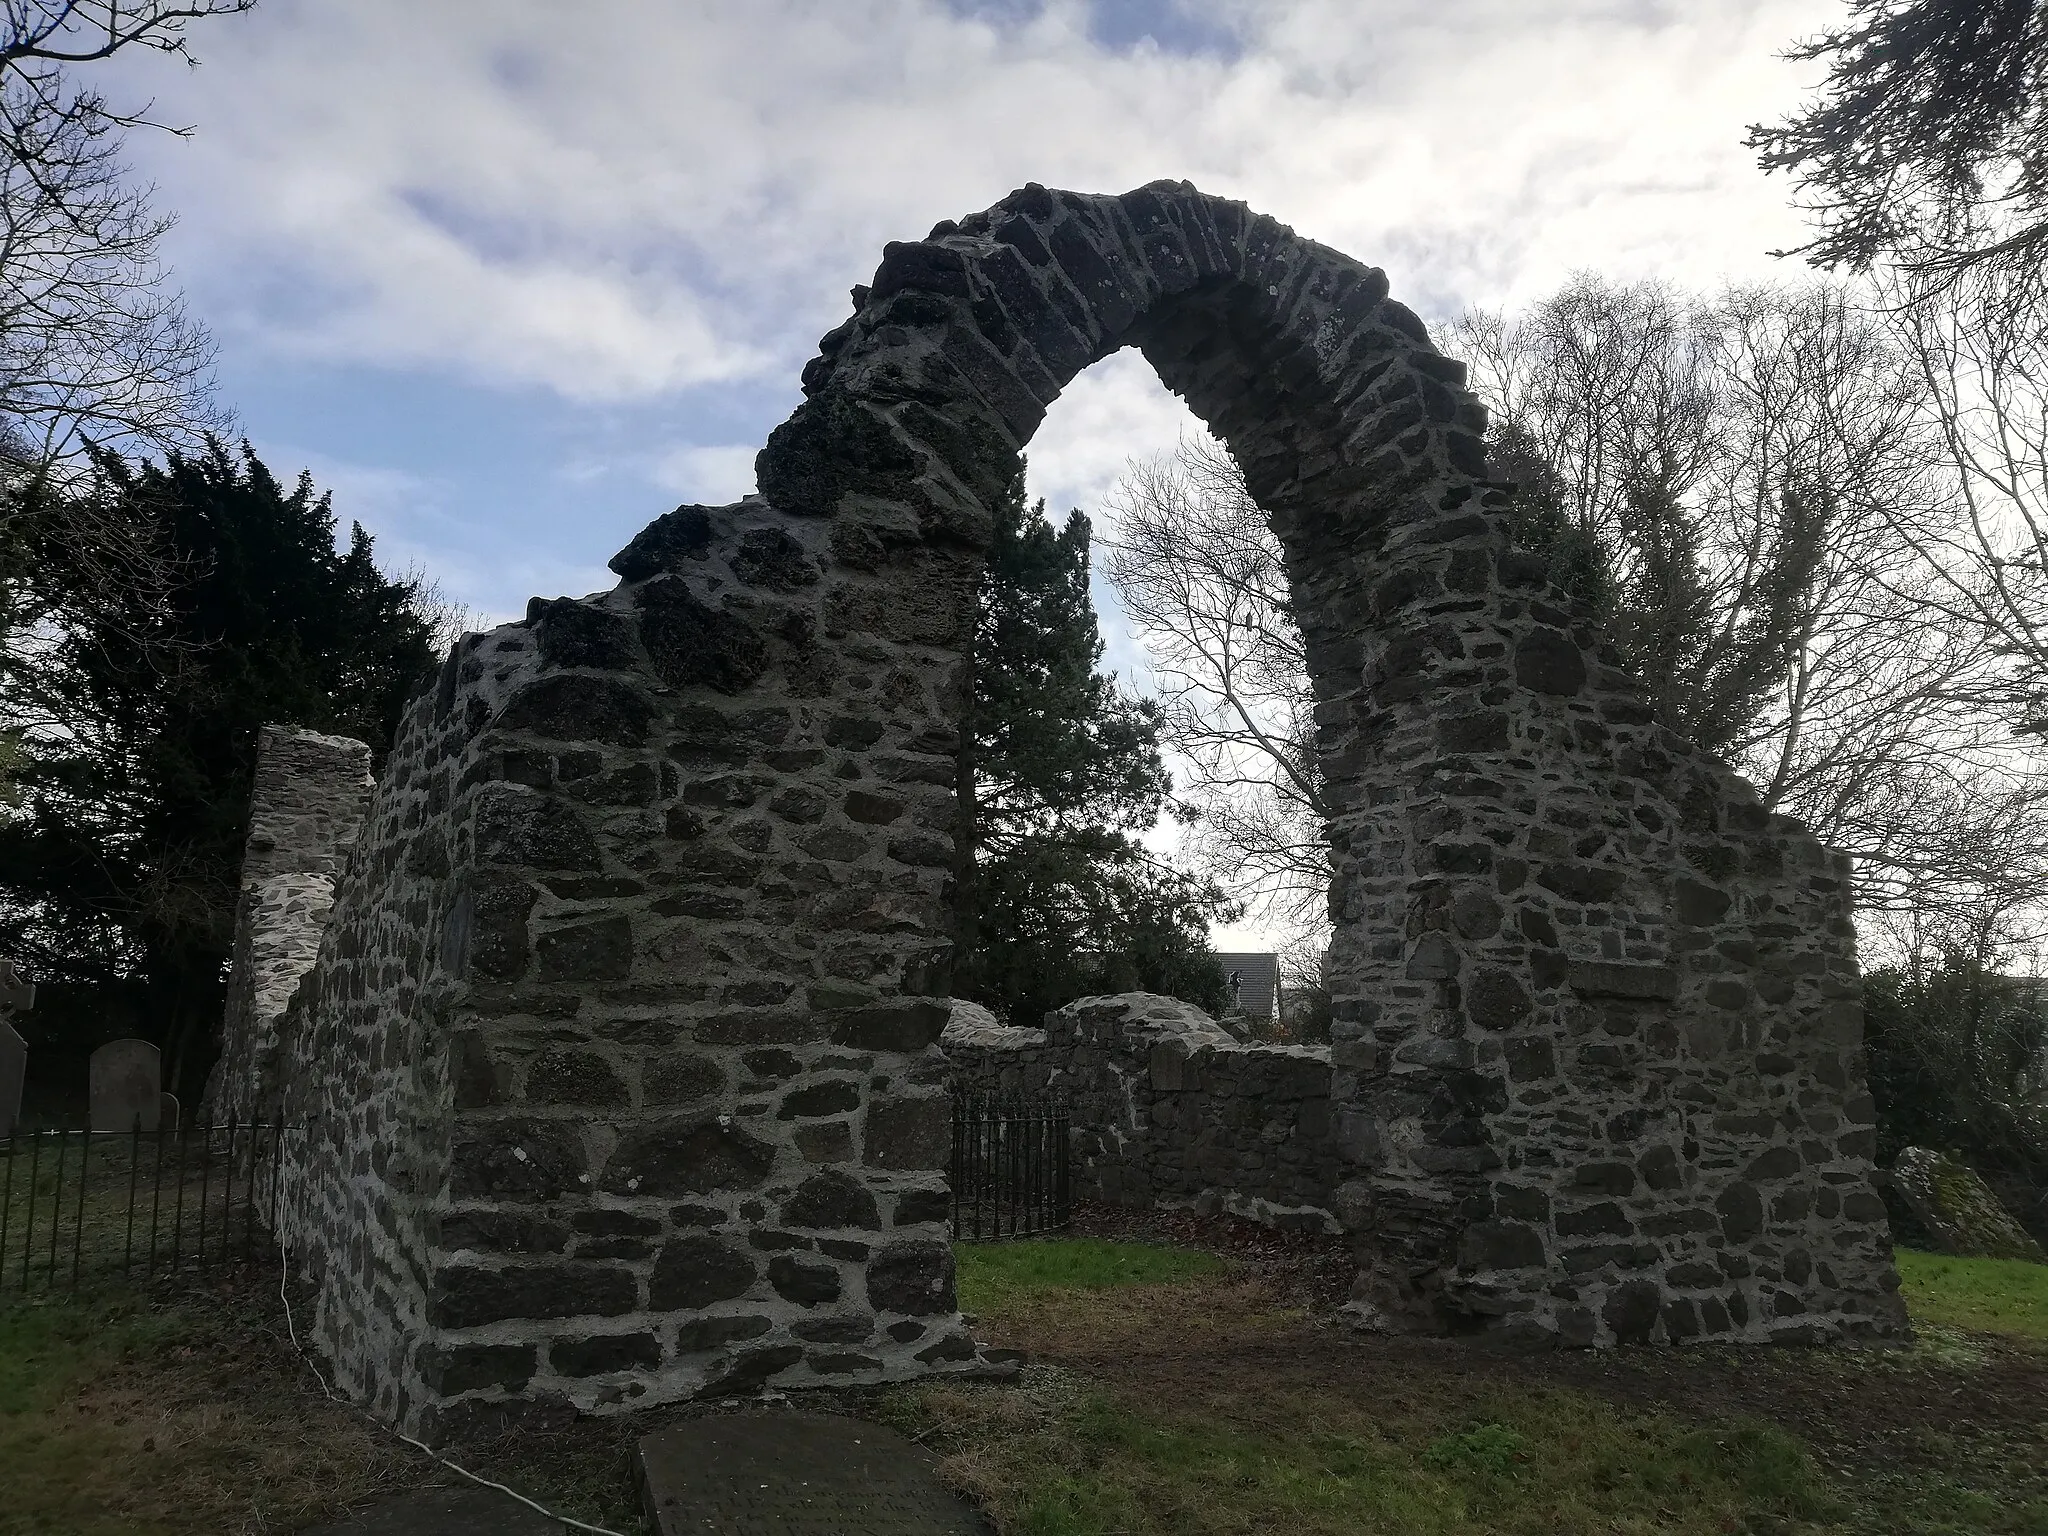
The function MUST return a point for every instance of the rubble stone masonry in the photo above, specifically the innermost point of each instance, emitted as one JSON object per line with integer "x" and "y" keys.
{"x": 622, "y": 1034}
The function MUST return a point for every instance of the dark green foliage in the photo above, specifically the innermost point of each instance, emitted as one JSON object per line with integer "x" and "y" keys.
{"x": 1082, "y": 911}
{"x": 1710, "y": 659}
{"x": 1958, "y": 1060}
{"x": 121, "y": 858}
{"x": 1711, "y": 654}
{"x": 1540, "y": 518}
{"x": 1929, "y": 137}
{"x": 1059, "y": 768}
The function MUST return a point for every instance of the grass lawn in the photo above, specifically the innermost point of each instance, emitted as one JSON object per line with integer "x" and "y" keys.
{"x": 2007, "y": 1296}
{"x": 998, "y": 1275}
{"x": 1171, "y": 1391}
{"x": 123, "y": 1417}
{"x": 1177, "y": 1398}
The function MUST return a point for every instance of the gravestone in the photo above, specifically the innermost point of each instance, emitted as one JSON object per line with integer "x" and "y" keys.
{"x": 13, "y": 1069}
{"x": 167, "y": 1112}
{"x": 126, "y": 1084}
{"x": 1958, "y": 1209}
{"x": 16, "y": 996}
{"x": 796, "y": 1474}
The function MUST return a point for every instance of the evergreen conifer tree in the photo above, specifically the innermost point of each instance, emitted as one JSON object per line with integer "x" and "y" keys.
{"x": 138, "y": 713}
{"x": 1056, "y": 897}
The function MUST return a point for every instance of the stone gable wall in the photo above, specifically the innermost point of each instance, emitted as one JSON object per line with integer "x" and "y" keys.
{"x": 309, "y": 799}
{"x": 622, "y": 1030}
{"x": 1168, "y": 1108}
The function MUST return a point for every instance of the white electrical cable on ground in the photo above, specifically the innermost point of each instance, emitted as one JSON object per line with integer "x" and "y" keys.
{"x": 283, "y": 1277}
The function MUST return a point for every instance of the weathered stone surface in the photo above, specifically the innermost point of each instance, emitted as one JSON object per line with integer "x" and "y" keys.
{"x": 912, "y": 1277}
{"x": 908, "y": 1133}
{"x": 832, "y": 1200}
{"x": 906, "y": 1026}
{"x": 311, "y": 794}
{"x": 796, "y": 1475}
{"x": 714, "y": 1332}
{"x": 1957, "y": 1208}
{"x": 1166, "y": 1106}
{"x": 805, "y": 1283}
{"x": 517, "y": 1160}
{"x": 457, "y": 1368}
{"x": 969, "y": 1026}
{"x": 603, "y": 1353}
{"x": 467, "y": 1295}
{"x": 705, "y": 815}
{"x": 125, "y": 1087}
{"x": 683, "y": 1157}
{"x": 665, "y": 544}
{"x": 697, "y": 1270}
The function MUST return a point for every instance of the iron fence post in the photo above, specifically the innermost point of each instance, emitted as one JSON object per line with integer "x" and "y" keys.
{"x": 178, "y": 1207}
{"x": 6, "y": 1203}
{"x": 57, "y": 1208}
{"x": 134, "y": 1168}
{"x": 28, "y": 1240}
{"x": 78, "y": 1213}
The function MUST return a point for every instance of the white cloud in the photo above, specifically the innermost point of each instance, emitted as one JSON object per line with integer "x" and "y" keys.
{"x": 660, "y": 196}
{"x": 1114, "y": 413}
{"x": 619, "y": 202}
{"x": 711, "y": 475}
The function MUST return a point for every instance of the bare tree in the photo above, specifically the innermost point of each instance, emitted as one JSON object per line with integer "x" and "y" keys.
{"x": 1984, "y": 363}
{"x": 446, "y": 615}
{"x": 1799, "y": 626}
{"x": 95, "y": 350}
{"x": 1201, "y": 575}
{"x": 1831, "y": 674}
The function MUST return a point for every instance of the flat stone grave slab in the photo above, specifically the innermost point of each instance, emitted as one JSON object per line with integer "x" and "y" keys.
{"x": 796, "y": 1474}
{"x": 444, "y": 1512}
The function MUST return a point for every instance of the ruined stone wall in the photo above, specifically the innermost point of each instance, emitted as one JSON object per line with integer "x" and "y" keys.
{"x": 1597, "y": 1013}
{"x": 310, "y": 795}
{"x": 1168, "y": 1108}
{"x": 620, "y": 1049}
{"x": 622, "y": 1032}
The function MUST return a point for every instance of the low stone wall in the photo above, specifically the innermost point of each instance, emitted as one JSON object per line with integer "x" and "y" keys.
{"x": 1168, "y": 1108}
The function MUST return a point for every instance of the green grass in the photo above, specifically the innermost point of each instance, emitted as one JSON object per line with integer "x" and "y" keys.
{"x": 1059, "y": 1458}
{"x": 127, "y": 1414}
{"x": 993, "y": 1274}
{"x": 1225, "y": 1446}
{"x": 1063, "y": 1455}
{"x": 2007, "y": 1296}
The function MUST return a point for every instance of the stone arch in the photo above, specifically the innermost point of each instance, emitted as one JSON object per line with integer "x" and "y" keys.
{"x": 621, "y": 1035}
{"x": 1564, "y": 939}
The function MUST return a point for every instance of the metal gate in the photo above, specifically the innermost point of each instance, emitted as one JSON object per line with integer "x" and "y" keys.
{"x": 1009, "y": 1168}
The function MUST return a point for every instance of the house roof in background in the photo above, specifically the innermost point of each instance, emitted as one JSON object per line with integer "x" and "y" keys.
{"x": 1256, "y": 972}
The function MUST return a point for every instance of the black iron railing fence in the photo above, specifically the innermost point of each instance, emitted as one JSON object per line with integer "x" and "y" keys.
{"x": 1009, "y": 1167}
{"x": 77, "y": 1205}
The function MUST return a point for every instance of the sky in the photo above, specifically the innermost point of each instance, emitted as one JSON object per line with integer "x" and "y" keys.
{"x": 513, "y": 277}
